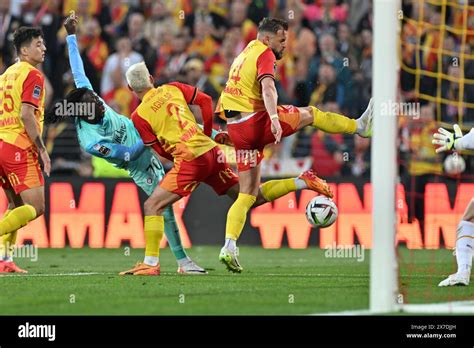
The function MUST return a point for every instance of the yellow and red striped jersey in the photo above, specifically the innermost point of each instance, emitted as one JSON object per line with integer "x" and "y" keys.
{"x": 20, "y": 83}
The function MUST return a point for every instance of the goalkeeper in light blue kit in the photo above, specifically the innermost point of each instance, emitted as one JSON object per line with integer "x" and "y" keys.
{"x": 111, "y": 136}
{"x": 448, "y": 141}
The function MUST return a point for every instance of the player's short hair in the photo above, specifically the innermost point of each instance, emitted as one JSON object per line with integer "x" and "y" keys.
{"x": 24, "y": 35}
{"x": 138, "y": 77}
{"x": 272, "y": 25}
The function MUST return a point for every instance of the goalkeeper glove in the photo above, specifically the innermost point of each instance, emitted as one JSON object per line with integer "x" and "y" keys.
{"x": 447, "y": 140}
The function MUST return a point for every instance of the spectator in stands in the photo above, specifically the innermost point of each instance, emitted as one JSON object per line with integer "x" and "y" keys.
{"x": 139, "y": 42}
{"x": 203, "y": 44}
{"x": 117, "y": 64}
{"x": 91, "y": 41}
{"x": 202, "y": 13}
{"x": 330, "y": 55}
{"x": 325, "y": 14}
{"x": 161, "y": 27}
{"x": 327, "y": 90}
{"x": 359, "y": 164}
{"x": 346, "y": 45}
{"x": 8, "y": 24}
{"x": 238, "y": 18}
{"x": 195, "y": 76}
{"x": 218, "y": 65}
{"x": 170, "y": 66}
{"x": 327, "y": 153}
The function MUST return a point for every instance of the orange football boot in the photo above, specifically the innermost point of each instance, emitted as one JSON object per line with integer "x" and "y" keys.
{"x": 143, "y": 269}
{"x": 10, "y": 267}
{"x": 315, "y": 183}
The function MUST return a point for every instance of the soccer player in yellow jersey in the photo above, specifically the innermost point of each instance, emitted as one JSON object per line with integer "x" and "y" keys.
{"x": 165, "y": 123}
{"x": 21, "y": 124}
{"x": 254, "y": 119}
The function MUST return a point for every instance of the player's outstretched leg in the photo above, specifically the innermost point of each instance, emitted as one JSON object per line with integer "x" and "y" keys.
{"x": 185, "y": 264}
{"x": 331, "y": 122}
{"x": 464, "y": 249}
{"x": 275, "y": 189}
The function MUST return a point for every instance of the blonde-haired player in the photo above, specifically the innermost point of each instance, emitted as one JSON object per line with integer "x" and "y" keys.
{"x": 465, "y": 233}
{"x": 166, "y": 124}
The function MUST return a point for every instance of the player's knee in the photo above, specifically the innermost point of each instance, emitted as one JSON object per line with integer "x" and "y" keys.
{"x": 149, "y": 207}
{"x": 306, "y": 117}
{"x": 469, "y": 214}
{"x": 39, "y": 207}
{"x": 260, "y": 200}
{"x": 153, "y": 207}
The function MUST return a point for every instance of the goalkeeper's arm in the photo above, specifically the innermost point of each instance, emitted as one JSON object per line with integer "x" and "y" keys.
{"x": 453, "y": 141}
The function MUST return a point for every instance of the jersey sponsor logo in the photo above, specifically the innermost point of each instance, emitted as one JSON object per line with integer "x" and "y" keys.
{"x": 9, "y": 121}
{"x": 189, "y": 134}
{"x": 36, "y": 92}
{"x": 119, "y": 134}
{"x": 102, "y": 149}
{"x": 234, "y": 91}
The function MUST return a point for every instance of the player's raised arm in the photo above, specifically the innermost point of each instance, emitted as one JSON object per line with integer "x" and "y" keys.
{"x": 77, "y": 66}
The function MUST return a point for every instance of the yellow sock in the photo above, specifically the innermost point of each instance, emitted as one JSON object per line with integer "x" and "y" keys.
{"x": 274, "y": 189}
{"x": 4, "y": 240}
{"x": 17, "y": 218}
{"x": 154, "y": 228}
{"x": 331, "y": 122}
{"x": 238, "y": 214}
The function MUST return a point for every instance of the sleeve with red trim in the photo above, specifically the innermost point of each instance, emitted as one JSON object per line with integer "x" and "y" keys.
{"x": 266, "y": 64}
{"x": 144, "y": 129}
{"x": 194, "y": 96}
{"x": 188, "y": 91}
{"x": 33, "y": 88}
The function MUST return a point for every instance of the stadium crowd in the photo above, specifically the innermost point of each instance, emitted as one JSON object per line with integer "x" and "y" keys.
{"x": 327, "y": 63}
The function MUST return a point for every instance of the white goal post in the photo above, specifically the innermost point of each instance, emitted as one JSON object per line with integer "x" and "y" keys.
{"x": 384, "y": 172}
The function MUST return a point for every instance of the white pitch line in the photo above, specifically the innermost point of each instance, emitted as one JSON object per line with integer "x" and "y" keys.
{"x": 53, "y": 275}
{"x": 338, "y": 275}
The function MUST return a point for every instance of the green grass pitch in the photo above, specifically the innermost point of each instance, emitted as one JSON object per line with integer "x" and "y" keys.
{"x": 274, "y": 282}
